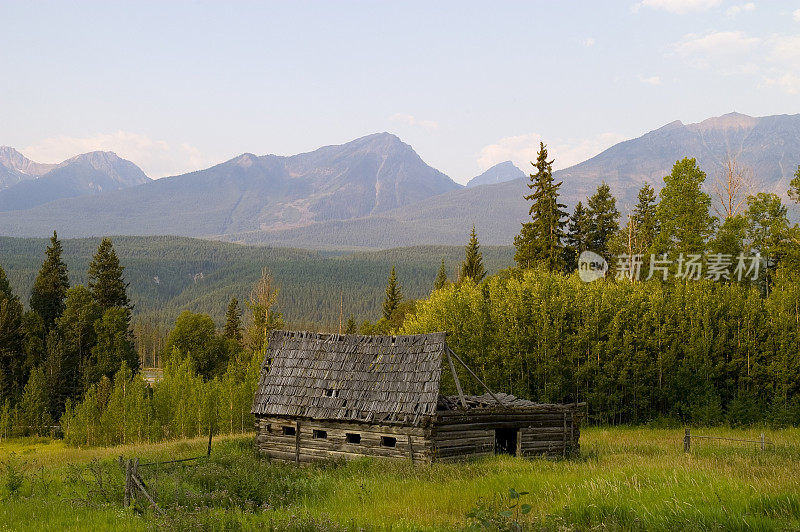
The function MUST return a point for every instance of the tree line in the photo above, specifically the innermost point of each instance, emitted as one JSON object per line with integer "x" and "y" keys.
{"x": 69, "y": 339}
{"x": 668, "y": 342}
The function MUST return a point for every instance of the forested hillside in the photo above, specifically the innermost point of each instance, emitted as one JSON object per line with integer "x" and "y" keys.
{"x": 170, "y": 274}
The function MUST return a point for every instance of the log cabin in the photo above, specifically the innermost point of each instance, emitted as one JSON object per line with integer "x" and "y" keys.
{"x": 328, "y": 396}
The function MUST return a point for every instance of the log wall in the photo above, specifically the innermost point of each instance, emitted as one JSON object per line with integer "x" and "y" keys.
{"x": 411, "y": 443}
{"x": 550, "y": 429}
{"x": 452, "y": 435}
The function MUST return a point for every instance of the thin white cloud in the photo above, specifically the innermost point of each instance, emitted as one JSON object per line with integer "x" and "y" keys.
{"x": 715, "y": 45}
{"x": 522, "y": 150}
{"x": 773, "y": 61}
{"x": 588, "y": 42}
{"x": 740, "y": 8}
{"x": 411, "y": 120}
{"x": 157, "y": 158}
{"x": 796, "y": 15}
{"x": 678, "y": 7}
{"x": 788, "y": 83}
{"x": 784, "y": 49}
{"x": 650, "y": 80}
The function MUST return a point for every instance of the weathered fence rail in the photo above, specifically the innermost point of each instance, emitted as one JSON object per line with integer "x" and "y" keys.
{"x": 134, "y": 482}
{"x": 688, "y": 437}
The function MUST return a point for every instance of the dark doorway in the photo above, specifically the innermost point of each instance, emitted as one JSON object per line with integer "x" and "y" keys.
{"x": 505, "y": 441}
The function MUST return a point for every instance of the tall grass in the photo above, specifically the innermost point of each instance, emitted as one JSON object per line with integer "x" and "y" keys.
{"x": 625, "y": 478}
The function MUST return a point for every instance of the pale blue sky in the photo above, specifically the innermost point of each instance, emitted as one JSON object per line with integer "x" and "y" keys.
{"x": 176, "y": 86}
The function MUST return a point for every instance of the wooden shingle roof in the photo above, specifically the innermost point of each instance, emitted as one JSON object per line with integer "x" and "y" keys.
{"x": 374, "y": 379}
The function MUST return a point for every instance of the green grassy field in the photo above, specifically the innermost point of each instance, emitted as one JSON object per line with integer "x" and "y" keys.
{"x": 625, "y": 478}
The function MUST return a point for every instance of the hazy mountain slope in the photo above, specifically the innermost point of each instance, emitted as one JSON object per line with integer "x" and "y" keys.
{"x": 89, "y": 173}
{"x": 369, "y": 175}
{"x": 15, "y": 167}
{"x": 499, "y": 173}
{"x": 496, "y": 211}
{"x": 375, "y": 192}
{"x": 770, "y": 146}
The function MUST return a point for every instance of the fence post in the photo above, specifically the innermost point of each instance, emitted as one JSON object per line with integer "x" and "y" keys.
{"x": 763, "y": 447}
{"x": 126, "y": 501}
{"x": 687, "y": 441}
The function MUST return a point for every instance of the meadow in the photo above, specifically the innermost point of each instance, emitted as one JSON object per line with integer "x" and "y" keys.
{"x": 625, "y": 478}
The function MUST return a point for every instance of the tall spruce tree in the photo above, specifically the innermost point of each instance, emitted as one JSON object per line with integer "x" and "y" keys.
{"x": 644, "y": 217}
{"x": 76, "y": 328}
{"x": 767, "y": 224}
{"x": 540, "y": 240}
{"x": 114, "y": 346}
{"x": 794, "y": 186}
{"x": 393, "y": 296}
{"x": 51, "y": 285}
{"x": 12, "y": 360}
{"x": 685, "y": 223}
{"x": 603, "y": 219}
{"x": 577, "y": 238}
{"x": 441, "y": 277}
{"x": 106, "y": 282}
{"x": 472, "y": 267}
{"x": 233, "y": 321}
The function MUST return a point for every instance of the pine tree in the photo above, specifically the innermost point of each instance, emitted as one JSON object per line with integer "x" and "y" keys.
{"x": 577, "y": 238}
{"x": 472, "y": 267}
{"x": 114, "y": 346}
{"x": 540, "y": 240}
{"x": 393, "y": 296}
{"x": 106, "y": 281}
{"x": 603, "y": 219}
{"x": 730, "y": 236}
{"x": 5, "y": 285}
{"x": 644, "y": 217}
{"x": 441, "y": 277}
{"x": 767, "y": 229}
{"x": 51, "y": 285}
{"x": 55, "y": 371}
{"x": 794, "y": 186}
{"x": 12, "y": 360}
{"x": 685, "y": 223}
{"x": 352, "y": 326}
{"x": 233, "y": 321}
{"x": 76, "y": 331}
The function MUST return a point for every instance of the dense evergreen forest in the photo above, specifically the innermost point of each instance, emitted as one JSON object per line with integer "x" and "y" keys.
{"x": 688, "y": 310}
{"x": 170, "y": 274}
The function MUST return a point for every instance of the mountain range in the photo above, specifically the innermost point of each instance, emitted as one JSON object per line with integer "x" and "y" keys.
{"x": 25, "y": 184}
{"x": 376, "y": 192}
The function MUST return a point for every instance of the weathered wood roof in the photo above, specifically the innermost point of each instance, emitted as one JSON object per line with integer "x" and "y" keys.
{"x": 507, "y": 402}
{"x": 376, "y": 379}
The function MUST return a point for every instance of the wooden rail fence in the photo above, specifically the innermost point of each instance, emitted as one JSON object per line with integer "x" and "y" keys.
{"x": 687, "y": 440}
{"x": 135, "y": 484}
